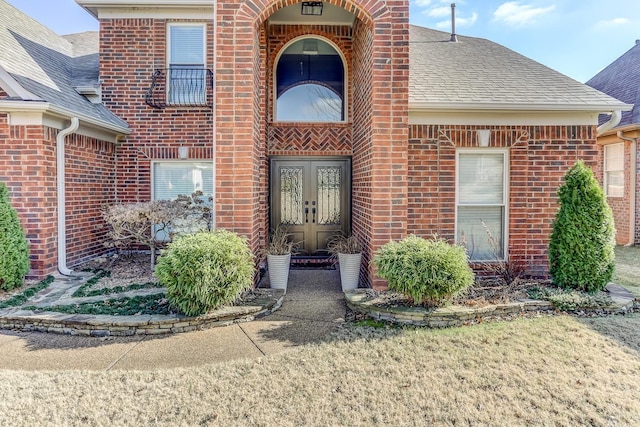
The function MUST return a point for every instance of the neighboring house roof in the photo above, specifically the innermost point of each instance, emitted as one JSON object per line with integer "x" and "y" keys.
{"x": 621, "y": 79}
{"x": 43, "y": 66}
{"x": 476, "y": 73}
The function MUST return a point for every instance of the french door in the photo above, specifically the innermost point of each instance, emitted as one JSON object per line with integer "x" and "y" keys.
{"x": 312, "y": 199}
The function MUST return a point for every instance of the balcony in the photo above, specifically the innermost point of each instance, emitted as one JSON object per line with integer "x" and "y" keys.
{"x": 180, "y": 87}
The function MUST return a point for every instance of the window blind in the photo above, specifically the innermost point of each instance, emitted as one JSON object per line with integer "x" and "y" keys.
{"x": 170, "y": 179}
{"x": 187, "y": 45}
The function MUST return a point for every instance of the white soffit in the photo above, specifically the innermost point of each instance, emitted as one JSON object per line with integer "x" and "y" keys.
{"x": 504, "y": 118}
{"x": 161, "y": 9}
{"x": 331, "y": 15}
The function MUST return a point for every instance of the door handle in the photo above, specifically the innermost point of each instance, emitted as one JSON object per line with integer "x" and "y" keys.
{"x": 313, "y": 212}
{"x": 306, "y": 211}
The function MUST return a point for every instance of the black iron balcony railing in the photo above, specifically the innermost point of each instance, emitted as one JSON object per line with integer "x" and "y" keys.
{"x": 180, "y": 87}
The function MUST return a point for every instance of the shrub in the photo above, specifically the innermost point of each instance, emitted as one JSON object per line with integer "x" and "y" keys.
{"x": 14, "y": 249}
{"x": 428, "y": 271}
{"x": 581, "y": 247}
{"x": 205, "y": 270}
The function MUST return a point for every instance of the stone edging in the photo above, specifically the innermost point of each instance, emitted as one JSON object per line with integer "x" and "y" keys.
{"x": 365, "y": 302}
{"x": 102, "y": 325}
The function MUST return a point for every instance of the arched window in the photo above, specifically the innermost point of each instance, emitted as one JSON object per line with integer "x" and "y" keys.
{"x": 310, "y": 83}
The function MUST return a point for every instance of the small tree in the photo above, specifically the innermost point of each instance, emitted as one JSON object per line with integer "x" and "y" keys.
{"x": 581, "y": 247}
{"x": 144, "y": 223}
{"x": 14, "y": 249}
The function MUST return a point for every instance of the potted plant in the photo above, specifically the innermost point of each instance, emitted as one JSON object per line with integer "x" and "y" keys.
{"x": 348, "y": 250}
{"x": 278, "y": 254}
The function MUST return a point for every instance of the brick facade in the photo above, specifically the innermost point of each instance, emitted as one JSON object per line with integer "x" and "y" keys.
{"x": 28, "y": 167}
{"x": 539, "y": 157}
{"x": 403, "y": 177}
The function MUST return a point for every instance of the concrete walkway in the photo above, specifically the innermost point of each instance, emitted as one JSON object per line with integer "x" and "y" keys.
{"x": 313, "y": 307}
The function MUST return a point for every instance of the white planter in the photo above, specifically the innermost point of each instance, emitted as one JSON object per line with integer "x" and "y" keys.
{"x": 349, "y": 270}
{"x": 279, "y": 270}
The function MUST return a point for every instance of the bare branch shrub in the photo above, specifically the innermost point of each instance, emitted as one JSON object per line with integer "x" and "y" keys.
{"x": 141, "y": 223}
{"x": 508, "y": 270}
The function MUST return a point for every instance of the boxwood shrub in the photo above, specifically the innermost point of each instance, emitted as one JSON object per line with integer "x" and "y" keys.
{"x": 14, "y": 248}
{"x": 427, "y": 271}
{"x": 205, "y": 270}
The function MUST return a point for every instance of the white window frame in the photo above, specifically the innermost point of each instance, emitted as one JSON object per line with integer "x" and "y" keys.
{"x": 203, "y": 25}
{"x": 616, "y": 168}
{"x": 505, "y": 196}
{"x": 274, "y": 83}
{"x": 185, "y": 162}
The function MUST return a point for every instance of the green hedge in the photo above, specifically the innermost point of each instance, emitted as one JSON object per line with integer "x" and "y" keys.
{"x": 581, "y": 246}
{"x": 205, "y": 270}
{"x": 14, "y": 249}
{"x": 428, "y": 271}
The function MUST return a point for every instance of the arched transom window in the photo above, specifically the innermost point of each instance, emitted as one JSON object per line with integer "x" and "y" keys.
{"x": 310, "y": 83}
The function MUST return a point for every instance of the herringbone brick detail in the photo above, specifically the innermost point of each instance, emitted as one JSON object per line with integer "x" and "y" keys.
{"x": 309, "y": 139}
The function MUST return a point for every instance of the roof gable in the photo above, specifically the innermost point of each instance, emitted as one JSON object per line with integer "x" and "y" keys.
{"x": 621, "y": 79}
{"x": 47, "y": 67}
{"x": 476, "y": 73}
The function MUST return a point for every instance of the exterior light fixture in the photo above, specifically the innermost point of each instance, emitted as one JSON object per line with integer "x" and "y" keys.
{"x": 310, "y": 47}
{"x": 483, "y": 137}
{"x": 312, "y": 8}
{"x": 183, "y": 152}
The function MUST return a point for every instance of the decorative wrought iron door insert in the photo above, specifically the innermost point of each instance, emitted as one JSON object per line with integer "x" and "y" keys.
{"x": 312, "y": 198}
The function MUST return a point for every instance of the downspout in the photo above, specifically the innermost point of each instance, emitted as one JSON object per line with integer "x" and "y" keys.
{"x": 616, "y": 115}
{"x": 62, "y": 211}
{"x": 632, "y": 189}
{"x": 214, "y": 128}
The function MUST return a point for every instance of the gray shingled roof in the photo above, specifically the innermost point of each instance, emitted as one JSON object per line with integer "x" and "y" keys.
{"x": 49, "y": 66}
{"x": 479, "y": 74}
{"x": 621, "y": 79}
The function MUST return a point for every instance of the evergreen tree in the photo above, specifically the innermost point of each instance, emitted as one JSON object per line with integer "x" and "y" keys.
{"x": 581, "y": 248}
{"x": 14, "y": 249}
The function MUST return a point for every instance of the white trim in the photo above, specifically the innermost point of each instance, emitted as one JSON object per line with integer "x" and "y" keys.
{"x": 8, "y": 106}
{"x": 506, "y": 118}
{"x": 505, "y": 195}
{"x": 166, "y": 9}
{"x": 203, "y": 25}
{"x": 345, "y": 88}
{"x": 607, "y": 168}
{"x": 506, "y": 106}
{"x": 12, "y": 87}
{"x": 154, "y": 13}
{"x": 183, "y": 161}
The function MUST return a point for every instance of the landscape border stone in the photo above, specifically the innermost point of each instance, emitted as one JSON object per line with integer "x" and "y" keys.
{"x": 269, "y": 300}
{"x": 368, "y": 303}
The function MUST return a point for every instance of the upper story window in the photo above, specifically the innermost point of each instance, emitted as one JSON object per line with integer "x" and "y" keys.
{"x": 187, "y": 75}
{"x": 310, "y": 82}
{"x": 614, "y": 170}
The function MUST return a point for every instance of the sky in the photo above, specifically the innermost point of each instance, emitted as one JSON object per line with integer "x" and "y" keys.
{"x": 576, "y": 37}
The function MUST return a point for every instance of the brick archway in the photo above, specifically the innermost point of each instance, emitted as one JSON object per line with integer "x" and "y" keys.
{"x": 378, "y": 128}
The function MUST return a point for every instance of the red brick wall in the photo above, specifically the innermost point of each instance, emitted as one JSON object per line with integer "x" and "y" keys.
{"x": 539, "y": 158}
{"x": 28, "y": 167}
{"x": 90, "y": 186}
{"x": 130, "y": 51}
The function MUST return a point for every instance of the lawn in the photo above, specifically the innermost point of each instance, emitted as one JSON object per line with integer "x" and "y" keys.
{"x": 557, "y": 370}
{"x": 627, "y": 271}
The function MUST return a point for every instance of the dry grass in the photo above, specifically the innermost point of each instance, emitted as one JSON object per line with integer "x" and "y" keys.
{"x": 627, "y": 271}
{"x": 544, "y": 371}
